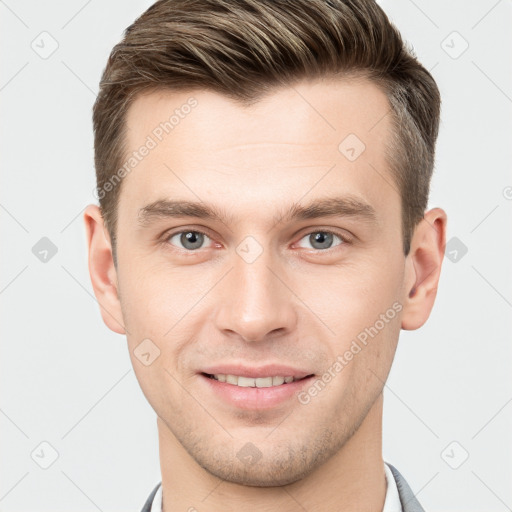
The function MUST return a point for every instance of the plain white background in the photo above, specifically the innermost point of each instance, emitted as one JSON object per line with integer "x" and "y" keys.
{"x": 66, "y": 380}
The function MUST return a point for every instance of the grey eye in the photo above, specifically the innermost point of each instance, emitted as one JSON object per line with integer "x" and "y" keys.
{"x": 190, "y": 240}
{"x": 321, "y": 239}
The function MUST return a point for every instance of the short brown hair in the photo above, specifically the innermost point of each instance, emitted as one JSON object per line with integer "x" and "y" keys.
{"x": 245, "y": 48}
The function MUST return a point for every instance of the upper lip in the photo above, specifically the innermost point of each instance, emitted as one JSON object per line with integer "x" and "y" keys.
{"x": 268, "y": 370}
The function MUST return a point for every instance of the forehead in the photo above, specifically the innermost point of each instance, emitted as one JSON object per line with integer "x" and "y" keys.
{"x": 310, "y": 138}
{"x": 332, "y": 106}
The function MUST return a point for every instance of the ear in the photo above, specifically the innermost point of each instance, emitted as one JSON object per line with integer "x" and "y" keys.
{"x": 102, "y": 270}
{"x": 423, "y": 268}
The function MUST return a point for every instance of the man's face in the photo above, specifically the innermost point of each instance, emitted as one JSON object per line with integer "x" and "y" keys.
{"x": 262, "y": 287}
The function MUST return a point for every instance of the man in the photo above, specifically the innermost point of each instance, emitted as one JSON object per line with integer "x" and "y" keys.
{"x": 263, "y": 171}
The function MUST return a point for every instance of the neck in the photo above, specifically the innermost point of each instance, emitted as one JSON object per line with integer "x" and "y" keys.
{"x": 352, "y": 479}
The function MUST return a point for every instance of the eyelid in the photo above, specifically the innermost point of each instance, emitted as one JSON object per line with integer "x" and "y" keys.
{"x": 345, "y": 239}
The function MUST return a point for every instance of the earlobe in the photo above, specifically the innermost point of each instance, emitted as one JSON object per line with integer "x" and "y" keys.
{"x": 102, "y": 270}
{"x": 423, "y": 268}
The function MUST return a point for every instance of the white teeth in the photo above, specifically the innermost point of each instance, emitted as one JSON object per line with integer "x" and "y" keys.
{"x": 249, "y": 382}
{"x": 245, "y": 382}
{"x": 232, "y": 379}
{"x": 263, "y": 382}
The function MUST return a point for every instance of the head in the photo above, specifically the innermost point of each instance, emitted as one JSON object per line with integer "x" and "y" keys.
{"x": 304, "y": 133}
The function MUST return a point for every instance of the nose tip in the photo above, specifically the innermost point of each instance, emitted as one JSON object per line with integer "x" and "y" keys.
{"x": 254, "y": 304}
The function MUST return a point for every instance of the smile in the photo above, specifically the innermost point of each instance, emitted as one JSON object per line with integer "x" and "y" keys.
{"x": 250, "y": 382}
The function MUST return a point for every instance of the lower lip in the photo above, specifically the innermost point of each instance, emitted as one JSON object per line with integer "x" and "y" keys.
{"x": 255, "y": 398}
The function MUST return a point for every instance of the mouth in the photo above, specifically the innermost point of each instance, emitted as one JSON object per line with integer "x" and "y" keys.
{"x": 260, "y": 388}
{"x": 255, "y": 382}
{"x": 255, "y": 393}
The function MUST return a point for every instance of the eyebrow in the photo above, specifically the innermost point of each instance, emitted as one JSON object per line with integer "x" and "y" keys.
{"x": 346, "y": 206}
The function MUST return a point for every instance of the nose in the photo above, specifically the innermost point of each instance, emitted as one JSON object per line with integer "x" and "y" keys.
{"x": 256, "y": 302}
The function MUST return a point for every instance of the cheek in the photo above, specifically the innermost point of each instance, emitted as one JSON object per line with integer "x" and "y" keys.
{"x": 355, "y": 296}
{"x": 362, "y": 309}
{"x": 155, "y": 299}
{"x": 159, "y": 314}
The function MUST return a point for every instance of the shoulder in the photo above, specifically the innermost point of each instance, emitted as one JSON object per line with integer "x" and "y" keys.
{"x": 151, "y": 497}
{"x": 407, "y": 497}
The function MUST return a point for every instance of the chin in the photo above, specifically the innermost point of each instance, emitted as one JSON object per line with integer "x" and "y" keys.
{"x": 265, "y": 476}
{"x": 275, "y": 468}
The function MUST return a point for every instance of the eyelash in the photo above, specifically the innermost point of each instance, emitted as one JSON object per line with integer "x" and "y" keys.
{"x": 344, "y": 239}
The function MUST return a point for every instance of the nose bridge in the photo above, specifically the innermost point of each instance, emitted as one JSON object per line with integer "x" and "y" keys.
{"x": 255, "y": 302}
